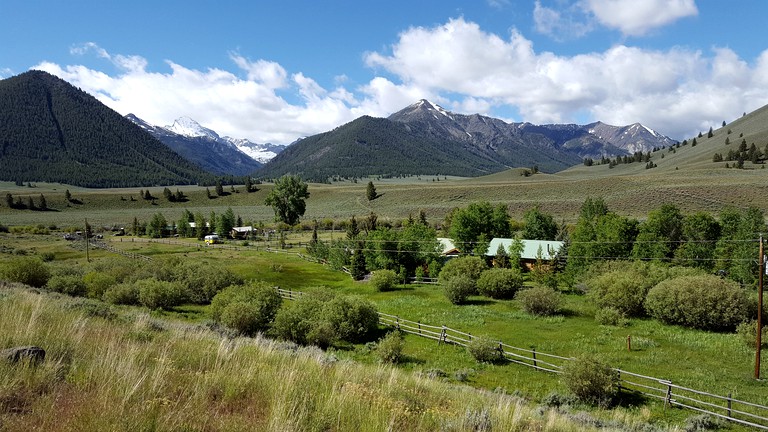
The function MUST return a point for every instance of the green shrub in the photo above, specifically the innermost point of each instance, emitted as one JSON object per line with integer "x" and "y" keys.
{"x": 485, "y": 350}
{"x": 591, "y": 380}
{"x": 97, "y": 283}
{"x": 704, "y": 302}
{"x": 390, "y": 347}
{"x": 540, "y": 300}
{"x": 352, "y": 319}
{"x": 248, "y": 309}
{"x": 67, "y": 284}
{"x": 747, "y": 332}
{"x": 125, "y": 293}
{"x": 202, "y": 282}
{"x": 701, "y": 422}
{"x": 470, "y": 266}
{"x": 500, "y": 283}
{"x": 323, "y": 319}
{"x": 156, "y": 294}
{"x": 611, "y": 316}
{"x": 383, "y": 280}
{"x": 26, "y": 270}
{"x": 458, "y": 288}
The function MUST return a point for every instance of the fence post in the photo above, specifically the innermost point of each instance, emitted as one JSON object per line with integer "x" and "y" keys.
{"x": 729, "y": 403}
{"x": 629, "y": 342}
{"x": 419, "y": 324}
{"x": 535, "y": 363}
{"x": 618, "y": 379}
{"x": 442, "y": 336}
{"x": 397, "y": 322}
{"x": 668, "y": 397}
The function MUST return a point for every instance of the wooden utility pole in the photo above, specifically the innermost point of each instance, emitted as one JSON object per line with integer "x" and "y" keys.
{"x": 759, "y": 341}
{"x": 87, "y": 257}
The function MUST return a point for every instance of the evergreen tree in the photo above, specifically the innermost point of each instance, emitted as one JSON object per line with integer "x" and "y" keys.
{"x": 135, "y": 228}
{"x": 370, "y": 191}
{"x": 30, "y": 203}
{"x": 9, "y": 200}
{"x": 248, "y": 184}
{"x": 539, "y": 225}
{"x": 710, "y": 134}
{"x": 43, "y": 205}
{"x": 219, "y": 188}
{"x": 659, "y": 236}
{"x": 226, "y": 222}
{"x": 502, "y": 257}
{"x": 67, "y": 195}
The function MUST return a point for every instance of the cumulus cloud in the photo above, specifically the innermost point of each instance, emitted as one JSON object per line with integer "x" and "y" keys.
{"x": 636, "y": 18}
{"x": 249, "y": 107}
{"x": 676, "y": 91}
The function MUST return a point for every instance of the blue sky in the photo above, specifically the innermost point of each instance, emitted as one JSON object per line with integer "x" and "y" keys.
{"x": 273, "y": 71}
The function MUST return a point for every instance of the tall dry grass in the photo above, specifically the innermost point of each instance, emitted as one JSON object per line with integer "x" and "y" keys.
{"x": 114, "y": 371}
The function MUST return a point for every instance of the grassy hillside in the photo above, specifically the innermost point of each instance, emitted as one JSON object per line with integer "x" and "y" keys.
{"x": 120, "y": 370}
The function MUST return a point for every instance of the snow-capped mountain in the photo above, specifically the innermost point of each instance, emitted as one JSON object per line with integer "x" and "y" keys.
{"x": 592, "y": 140}
{"x": 190, "y": 128}
{"x": 260, "y": 152}
{"x": 202, "y": 146}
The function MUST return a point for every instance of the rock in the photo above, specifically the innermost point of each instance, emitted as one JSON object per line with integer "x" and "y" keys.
{"x": 33, "y": 354}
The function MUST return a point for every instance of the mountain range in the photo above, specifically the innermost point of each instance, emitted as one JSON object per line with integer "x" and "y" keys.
{"x": 204, "y": 147}
{"x": 424, "y": 138}
{"x": 52, "y": 131}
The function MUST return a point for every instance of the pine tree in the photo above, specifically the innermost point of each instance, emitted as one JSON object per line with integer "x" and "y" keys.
{"x": 710, "y": 134}
{"x": 370, "y": 191}
{"x": 43, "y": 205}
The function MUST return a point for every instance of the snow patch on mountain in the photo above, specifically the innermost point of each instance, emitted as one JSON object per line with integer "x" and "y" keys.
{"x": 185, "y": 126}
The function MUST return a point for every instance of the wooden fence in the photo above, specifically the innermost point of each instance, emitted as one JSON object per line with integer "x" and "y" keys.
{"x": 724, "y": 407}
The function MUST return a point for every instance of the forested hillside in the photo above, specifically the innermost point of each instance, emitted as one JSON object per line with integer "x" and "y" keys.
{"x": 376, "y": 146}
{"x": 53, "y": 132}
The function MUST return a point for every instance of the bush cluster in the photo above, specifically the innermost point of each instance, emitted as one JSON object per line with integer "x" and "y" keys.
{"x": 611, "y": 316}
{"x": 157, "y": 294}
{"x": 704, "y": 302}
{"x": 470, "y": 266}
{"x": 541, "y": 300}
{"x": 247, "y": 309}
{"x": 323, "y": 319}
{"x": 747, "y": 332}
{"x": 26, "y": 270}
{"x": 70, "y": 284}
{"x": 500, "y": 283}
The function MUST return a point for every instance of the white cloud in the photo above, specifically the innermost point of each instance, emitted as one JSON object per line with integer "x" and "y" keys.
{"x": 636, "y": 18}
{"x": 563, "y": 22}
{"x": 676, "y": 91}
{"x": 218, "y": 99}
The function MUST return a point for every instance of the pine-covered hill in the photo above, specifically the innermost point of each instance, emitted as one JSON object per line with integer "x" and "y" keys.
{"x": 377, "y": 146}
{"x": 51, "y": 131}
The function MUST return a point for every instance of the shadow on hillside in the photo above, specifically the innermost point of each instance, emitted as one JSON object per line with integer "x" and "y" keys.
{"x": 479, "y": 302}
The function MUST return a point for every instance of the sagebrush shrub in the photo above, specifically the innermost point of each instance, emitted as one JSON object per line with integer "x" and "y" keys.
{"x": 390, "y": 347}
{"x": 383, "y": 280}
{"x": 542, "y": 301}
{"x": 458, "y": 288}
{"x": 97, "y": 283}
{"x": 611, "y": 316}
{"x": 591, "y": 380}
{"x": 500, "y": 283}
{"x": 125, "y": 294}
{"x": 485, "y": 350}
{"x": 67, "y": 284}
{"x": 26, "y": 270}
{"x": 704, "y": 302}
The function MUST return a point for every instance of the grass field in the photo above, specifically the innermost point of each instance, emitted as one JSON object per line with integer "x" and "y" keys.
{"x": 716, "y": 362}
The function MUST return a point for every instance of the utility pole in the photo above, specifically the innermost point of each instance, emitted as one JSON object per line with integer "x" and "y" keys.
{"x": 87, "y": 257}
{"x": 759, "y": 341}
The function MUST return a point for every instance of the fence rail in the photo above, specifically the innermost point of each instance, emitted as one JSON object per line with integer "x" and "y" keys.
{"x": 724, "y": 407}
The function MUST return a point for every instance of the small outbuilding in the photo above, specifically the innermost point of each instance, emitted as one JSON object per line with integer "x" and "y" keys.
{"x": 532, "y": 249}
